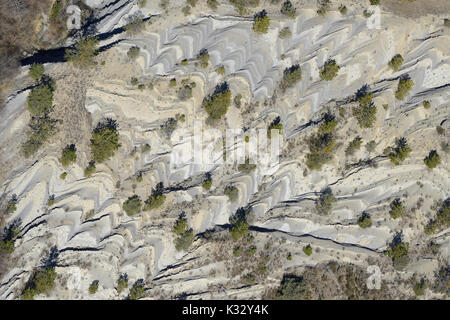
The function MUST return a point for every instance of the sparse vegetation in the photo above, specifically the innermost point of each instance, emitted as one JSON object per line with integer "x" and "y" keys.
{"x": 396, "y": 62}
{"x": 288, "y": 9}
{"x": 398, "y": 252}
{"x": 420, "y": 287}
{"x": 324, "y": 7}
{"x": 354, "y": 145}
{"x": 69, "y": 155}
{"x": 242, "y": 5}
{"x": 11, "y": 205}
{"x": 292, "y": 287}
{"x": 285, "y": 33}
{"x": 325, "y": 202}
{"x": 432, "y": 160}
{"x": 83, "y": 53}
{"x": 329, "y": 70}
{"x": 105, "y": 140}
{"x": 261, "y": 22}
{"x": 220, "y": 70}
{"x": 442, "y": 219}
{"x": 135, "y": 25}
{"x": 133, "y": 52}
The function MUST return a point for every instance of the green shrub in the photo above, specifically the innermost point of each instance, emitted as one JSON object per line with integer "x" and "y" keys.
{"x": 213, "y": 4}
{"x": 420, "y": 287}
{"x": 442, "y": 219}
{"x": 398, "y": 252}
{"x": 365, "y": 115}
{"x": 242, "y": 5}
{"x": 145, "y": 148}
{"x": 42, "y": 282}
{"x": 397, "y": 209}
{"x": 105, "y": 140}
{"x": 367, "y": 13}
{"x": 184, "y": 62}
{"x": 396, "y": 62}
{"x": 84, "y": 52}
{"x": 285, "y": 33}
{"x": 36, "y": 71}
{"x": 231, "y": 192}
{"x": 354, "y": 145}
{"x": 261, "y": 22}
{"x": 324, "y": 7}
{"x": 220, "y": 70}
{"x": 447, "y": 22}
{"x": 51, "y": 201}
{"x": 90, "y": 169}
{"x": 40, "y": 99}
{"x": 440, "y": 131}
{"x": 370, "y": 146}
{"x": 156, "y": 199}
{"x": 432, "y": 160}
{"x": 292, "y": 287}
{"x": 291, "y": 76}
{"x": 239, "y": 225}
{"x": 364, "y": 221}
{"x": 122, "y": 282}
{"x": 343, "y": 10}
{"x": 93, "y": 288}
{"x": 374, "y": 2}
{"x": 246, "y": 167}
{"x": 133, "y": 52}
{"x": 427, "y": 104}
{"x": 288, "y": 9}
{"x": 404, "y": 86}
{"x": 329, "y": 70}
{"x": 325, "y": 202}
{"x": 328, "y": 124}
{"x": 203, "y": 58}
{"x": 275, "y": 125}
{"x": 137, "y": 291}
{"x": 207, "y": 183}
{"x": 185, "y": 236}
{"x": 186, "y": 10}
{"x": 7, "y": 246}
{"x": 216, "y": 105}
{"x": 320, "y": 146}
{"x": 132, "y": 205}
{"x": 134, "y": 81}
{"x": 400, "y": 152}
{"x": 69, "y": 155}
{"x": 11, "y": 206}
{"x": 307, "y": 250}
{"x": 135, "y": 25}
{"x": 364, "y": 96}
{"x": 63, "y": 176}
{"x": 41, "y": 129}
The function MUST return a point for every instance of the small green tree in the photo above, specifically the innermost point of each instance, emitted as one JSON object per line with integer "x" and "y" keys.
{"x": 11, "y": 205}
{"x": 90, "y": 169}
{"x": 354, "y": 145}
{"x": 400, "y": 152}
{"x": 137, "y": 291}
{"x": 133, "y": 52}
{"x": 231, "y": 192}
{"x": 203, "y": 58}
{"x": 325, "y": 202}
{"x": 274, "y": 125}
{"x": 239, "y": 225}
{"x": 328, "y": 124}
{"x": 397, "y": 208}
{"x": 40, "y": 99}
{"x": 396, "y": 62}
{"x": 398, "y": 252}
{"x": 420, "y": 287}
{"x": 207, "y": 183}
{"x": 364, "y": 221}
{"x": 216, "y": 105}
{"x": 291, "y": 76}
{"x": 36, "y": 71}
{"x": 185, "y": 236}
{"x": 122, "y": 282}
{"x": 292, "y": 287}
{"x": 427, "y": 104}
{"x": 261, "y": 22}
{"x": 442, "y": 219}
{"x": 93, "y": 288}
{"x": 329, "y": 70}
{"x": 156, "y": 199}
{"x": 105, "y": 140}
{"x": 83, "y": 53}
{"x": 42, "y": 281}
{"x": 432, "y": 160}
{"x": 307, "y": 250}
{"x": 132, "y": 205}
{"x": 288, "y": 9}
{"x": 69, "y": 155}
{"x": 404, "y": 86}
